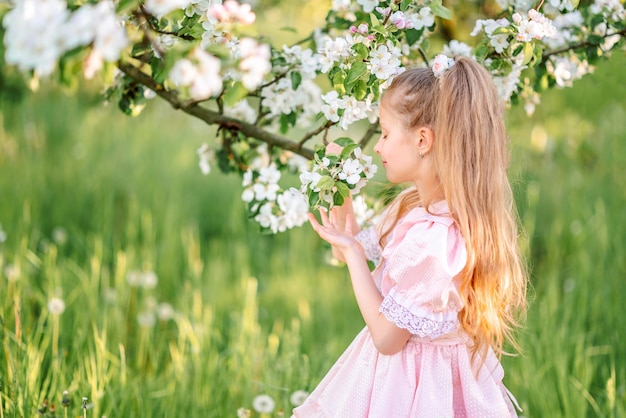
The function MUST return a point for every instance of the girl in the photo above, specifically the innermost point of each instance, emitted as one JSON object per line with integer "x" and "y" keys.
{"x": 450, "y": 281}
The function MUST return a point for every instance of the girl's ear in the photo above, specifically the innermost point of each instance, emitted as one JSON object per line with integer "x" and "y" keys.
{"x": 425, "y": 138}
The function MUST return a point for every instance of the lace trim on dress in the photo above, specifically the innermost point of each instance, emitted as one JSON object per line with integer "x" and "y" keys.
{"x": 416, "y": 325}
{"x": 368, "y": 238}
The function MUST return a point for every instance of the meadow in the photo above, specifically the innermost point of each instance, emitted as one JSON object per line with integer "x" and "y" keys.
{"x": 139, "y": 286}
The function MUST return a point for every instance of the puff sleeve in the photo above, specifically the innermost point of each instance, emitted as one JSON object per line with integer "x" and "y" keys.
{"x": 419, "y": 283}
{"x": 369, "y": 240}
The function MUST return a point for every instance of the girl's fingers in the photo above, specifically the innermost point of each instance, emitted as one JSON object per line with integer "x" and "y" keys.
{"x": 324, "y": 216}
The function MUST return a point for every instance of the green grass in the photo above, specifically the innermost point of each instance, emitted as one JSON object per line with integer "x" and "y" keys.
{"x": 89, "y": 196}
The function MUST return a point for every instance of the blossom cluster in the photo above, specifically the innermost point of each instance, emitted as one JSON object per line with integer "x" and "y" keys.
{"x": 346, "y": 110}
{"x": 419, "y": 18}
{"x": 40, "y": 32}
{"x": 298, "y": 93}
{"x": 275, "y": 210}
{"x": 194, "y": 49}
{"x": 199, "y": 74}
{"x": 335, "y": 176}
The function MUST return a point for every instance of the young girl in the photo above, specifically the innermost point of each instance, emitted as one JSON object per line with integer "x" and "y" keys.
{"x": 450, "y": 281}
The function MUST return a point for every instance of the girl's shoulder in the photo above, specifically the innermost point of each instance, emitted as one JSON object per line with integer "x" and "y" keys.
{"x": 437, "y": 212}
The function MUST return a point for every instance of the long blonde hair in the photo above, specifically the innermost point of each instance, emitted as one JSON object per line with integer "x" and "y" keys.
{"x": 470, "y": 159}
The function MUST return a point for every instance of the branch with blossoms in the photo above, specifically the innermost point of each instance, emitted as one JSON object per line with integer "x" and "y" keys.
{"x": 196, "y": 55}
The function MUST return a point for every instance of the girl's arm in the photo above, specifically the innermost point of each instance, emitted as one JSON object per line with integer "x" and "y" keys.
{"x": 387, "y": 336}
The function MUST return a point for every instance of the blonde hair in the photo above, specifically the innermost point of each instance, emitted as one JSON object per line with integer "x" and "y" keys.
{"x": 470, "y": 159}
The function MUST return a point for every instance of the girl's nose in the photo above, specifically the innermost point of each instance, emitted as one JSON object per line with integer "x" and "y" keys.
{"x": 377, "y": 147}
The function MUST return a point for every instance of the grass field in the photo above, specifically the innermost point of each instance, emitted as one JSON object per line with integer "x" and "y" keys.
{"x": 175, "y": 306}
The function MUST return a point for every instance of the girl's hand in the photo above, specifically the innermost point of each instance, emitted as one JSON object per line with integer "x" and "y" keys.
{"x": 337, "y": 231}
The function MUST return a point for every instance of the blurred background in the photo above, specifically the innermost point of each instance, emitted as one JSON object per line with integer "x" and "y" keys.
{"x": 129, "y": 278}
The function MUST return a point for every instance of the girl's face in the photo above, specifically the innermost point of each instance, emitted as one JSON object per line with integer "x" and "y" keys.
{"x": 398, "y": 148}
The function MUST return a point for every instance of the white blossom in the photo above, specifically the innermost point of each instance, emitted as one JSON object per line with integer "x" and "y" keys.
{"x": 205, "y": 155}
{"x": 200, "y": 73}
{"x": 255, "y": 62}
{"x": 351, "y": 171}
{"x": 457, "y": 48}
{"x": 368, "y": 5}
{"x": 533, "y": 26}
{"x": 162, "y": 7}
{"x": 310, "y": 179}
{"x": 266, "y": 217}
{"x": 265, "y": 191}
{"x": 242, "y": 111}
{"x": 424, "y": 18}
{"x": 231, "y": 11}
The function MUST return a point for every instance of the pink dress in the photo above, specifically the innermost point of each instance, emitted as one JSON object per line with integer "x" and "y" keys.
{"x": 433, "y": 375}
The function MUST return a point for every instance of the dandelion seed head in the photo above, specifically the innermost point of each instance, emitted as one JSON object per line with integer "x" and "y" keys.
{"x": 11, "y": 272}
{"x": 56, "y": 306}
{"x": 65, "y": 401}
{"x": 59, "y": 235}
{"x": 263, "y": 404}
{"x": 146, "y": 319}
{"x": 165, "y": 311}
{"x": 133, "y": 278}
{"x": 243, "y": 413}
{"x": 298, "y": 397}
{"x": 149, "y": 280}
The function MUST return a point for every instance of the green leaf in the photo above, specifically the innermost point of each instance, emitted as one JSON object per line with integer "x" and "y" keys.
{"x": 374, "y": 20}
{"x": 595, "y": 39}
{"x": 126, "y": 5}
{"x": 342, "y": 188}
{"x": 296, "y": 79}
{"x": 502, "y": 30}
{"x": 325, "y": 183}
{"x": 404, "y": 4}
{"x": 413, "y": 35}
{"x": 440, "y": 10}
{"x": 359, "y": 91}
{"x": 348, "y": 149}
{"x": 314, "y": 198}
{"x": 355, "y": 72}
{"x": 286, "y": 121}
{"x": 234, "y": 94}
{"x": 528, "y": 52}
{"x": 481, "y": 52}
{"x": 338, "y": 199}
{"x": 338, "y": 80}
{"x": 361, "y": 50}
{"x": 343, "y": 141}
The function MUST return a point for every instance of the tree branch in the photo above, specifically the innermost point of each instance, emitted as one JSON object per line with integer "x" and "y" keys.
{"x": 211, "y": 117}
{"x": 580, "y": 45}
{"x": 367, "y": 136}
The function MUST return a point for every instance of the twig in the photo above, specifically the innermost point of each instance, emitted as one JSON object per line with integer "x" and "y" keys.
{"x": 211, "y": 117}
{"x": 424, "y": 57}
{"x": 314, "y": 132}
{"x": 146, "y": 16}
{"x": 580, "y": 45}
{"x": 367, "y": 136}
